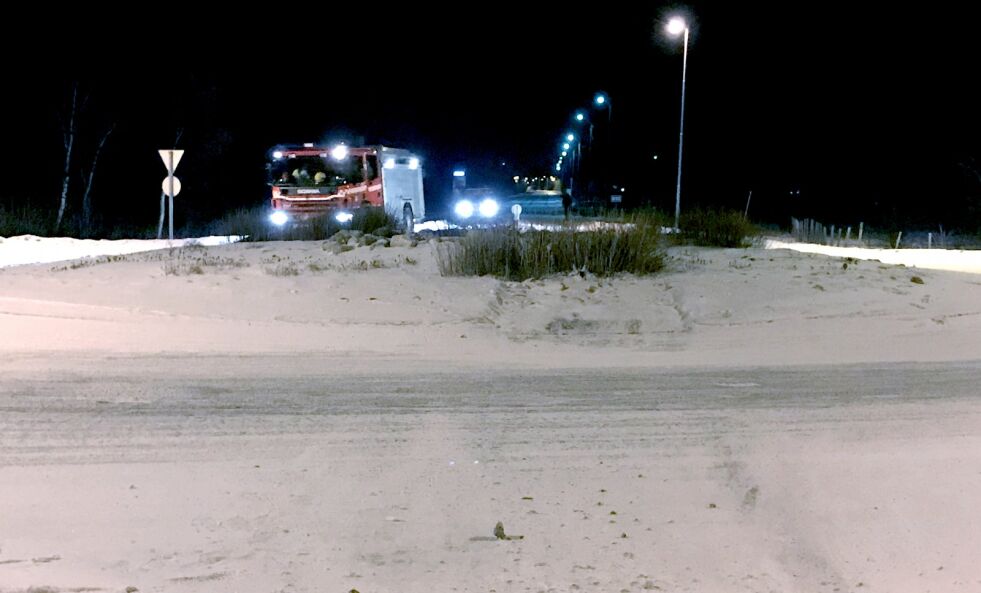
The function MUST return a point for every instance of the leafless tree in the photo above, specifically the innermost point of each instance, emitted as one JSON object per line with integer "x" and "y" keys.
{"x": 88, "y": 178}
{"x": 69, "y": 131}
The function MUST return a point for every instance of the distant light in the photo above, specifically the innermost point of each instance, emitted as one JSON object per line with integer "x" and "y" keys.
{"x": 339, "y": 152}
{"x": 278, "y": 154}
{"x": 488, "y": 208}
{"x": 623, "y": 189}
{"x": 564, "y": 153}
{"x": 413, "y": 163}
{"x": 677, "y": 26}
{"x": 600, "y": 99}
{"x": 515, "y": 178}
{"x": 565, "y": 146}
{"x": 279, "y": 218}
{"x": 580, "y": 116}
{"x": 558, "y": 166}
{"x": 503, "y": 164}
{"x": 343, "y": 217}
{"x": 459, "y": 173}
{"x": 464, "y": 208}
{"x": 570, "y": 137}
{"x": 389, "y": 163}
{"x": 655, "y": 157}
{"x": 308, "y": 145}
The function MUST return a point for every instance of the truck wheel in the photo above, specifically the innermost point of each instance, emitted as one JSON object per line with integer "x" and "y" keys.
{"x": 408, "y": 223}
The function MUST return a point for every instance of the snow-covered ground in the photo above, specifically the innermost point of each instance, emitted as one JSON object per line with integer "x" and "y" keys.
{"x": 392, "y": 301}
{"x": 28, "y": 249}
{"x": 293, "y": 417}
{"x": 931, "y": 259}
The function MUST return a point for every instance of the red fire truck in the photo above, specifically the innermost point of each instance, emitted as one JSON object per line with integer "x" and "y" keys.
{"x": 311, "y": 180}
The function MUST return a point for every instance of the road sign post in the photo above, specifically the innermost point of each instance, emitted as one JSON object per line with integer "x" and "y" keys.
{"x": 171, "y": 184}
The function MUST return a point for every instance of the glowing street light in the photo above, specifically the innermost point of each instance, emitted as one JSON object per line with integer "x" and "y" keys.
{"x": 676, "y": 26}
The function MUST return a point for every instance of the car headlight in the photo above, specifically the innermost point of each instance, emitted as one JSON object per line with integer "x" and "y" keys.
{"x": 488, "y": 208}
{"x": 464, "y": 208}
{"x": 343, "y": 217}
{"x": 279, "y": 218}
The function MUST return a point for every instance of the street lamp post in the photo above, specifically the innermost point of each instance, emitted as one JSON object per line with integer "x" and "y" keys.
{"x": 603, "y": 100}
{"x": 581, "y": 118}
{"x": 576, "y": 157}
{"x": 677, "y": 26}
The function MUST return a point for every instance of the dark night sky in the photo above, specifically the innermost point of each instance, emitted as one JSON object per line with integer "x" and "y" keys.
{"x": 867, "y": 111}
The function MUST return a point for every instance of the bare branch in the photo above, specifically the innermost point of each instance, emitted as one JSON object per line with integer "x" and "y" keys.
{"x": 970, "y": 167}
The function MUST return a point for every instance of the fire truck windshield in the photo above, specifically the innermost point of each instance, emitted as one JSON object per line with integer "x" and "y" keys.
{"x": 313, "y": 171}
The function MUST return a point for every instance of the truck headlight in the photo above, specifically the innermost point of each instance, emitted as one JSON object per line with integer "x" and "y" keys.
{"x": 488, "y": 208}
{"x": 464, "y": 208}
{"x": 279, "y": 218}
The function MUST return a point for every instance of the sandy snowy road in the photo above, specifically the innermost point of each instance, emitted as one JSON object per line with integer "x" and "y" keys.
{"x": 258, "y": 473}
